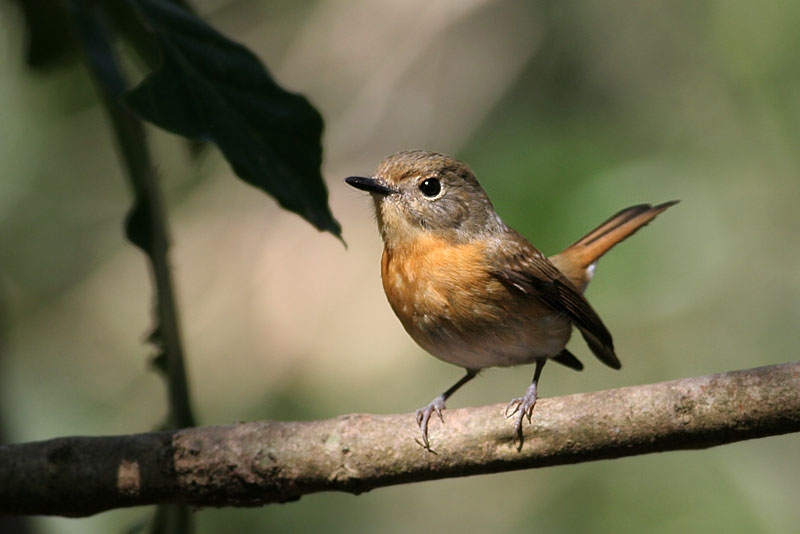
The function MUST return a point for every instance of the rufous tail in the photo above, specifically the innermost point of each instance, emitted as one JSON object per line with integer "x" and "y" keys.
{"x": 577, "y": 260}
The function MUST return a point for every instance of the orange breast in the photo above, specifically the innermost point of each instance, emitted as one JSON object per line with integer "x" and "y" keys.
{"x": 450, "y": 304}
{"x": 434, "y": 278}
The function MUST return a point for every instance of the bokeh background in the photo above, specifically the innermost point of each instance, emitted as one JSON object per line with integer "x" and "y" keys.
{"x": 566, "y": 111}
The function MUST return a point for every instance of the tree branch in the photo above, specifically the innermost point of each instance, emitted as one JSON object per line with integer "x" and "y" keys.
{"x": 264, "y": 462}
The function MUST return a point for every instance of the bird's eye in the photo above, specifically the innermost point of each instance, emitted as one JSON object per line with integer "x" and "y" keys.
{"x": 430, "y": 187}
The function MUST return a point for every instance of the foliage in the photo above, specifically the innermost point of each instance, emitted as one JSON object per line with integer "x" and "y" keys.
{"x": 204, "y": 87}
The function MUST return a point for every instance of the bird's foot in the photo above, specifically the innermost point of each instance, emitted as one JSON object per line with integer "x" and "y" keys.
{"x": 522, "y": 407}
{"x": 424, "y": 415}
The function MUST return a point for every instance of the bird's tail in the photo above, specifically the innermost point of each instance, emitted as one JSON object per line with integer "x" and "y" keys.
{"x": 577, "y": 260}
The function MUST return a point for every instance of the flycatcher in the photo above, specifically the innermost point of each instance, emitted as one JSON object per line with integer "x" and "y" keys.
{"x": 473, "y": 292}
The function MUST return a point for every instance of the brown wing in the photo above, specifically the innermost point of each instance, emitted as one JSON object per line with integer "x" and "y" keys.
{"x": 525, "y": 270}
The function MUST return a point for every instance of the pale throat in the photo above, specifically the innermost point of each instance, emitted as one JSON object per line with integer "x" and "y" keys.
{"x": 395, "y": 228}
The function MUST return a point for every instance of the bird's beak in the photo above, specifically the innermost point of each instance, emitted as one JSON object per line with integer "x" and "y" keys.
{"x": 371, "y": 185}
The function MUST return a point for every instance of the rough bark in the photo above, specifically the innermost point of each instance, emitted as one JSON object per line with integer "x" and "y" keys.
{"x": 252, "y": 464}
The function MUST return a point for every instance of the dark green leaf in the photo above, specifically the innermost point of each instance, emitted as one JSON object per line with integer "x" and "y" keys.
{"x": 47, "y": 36}
{"x": 211, "y": 88}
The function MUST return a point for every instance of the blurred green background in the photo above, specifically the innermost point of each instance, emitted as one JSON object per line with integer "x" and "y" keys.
{"x": 566, "y": 111}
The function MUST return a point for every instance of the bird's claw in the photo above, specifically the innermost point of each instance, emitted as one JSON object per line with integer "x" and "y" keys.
{"x": 513, "y": 406}
{"x": 522, "y": 407}
{"x": 424, "y": 415}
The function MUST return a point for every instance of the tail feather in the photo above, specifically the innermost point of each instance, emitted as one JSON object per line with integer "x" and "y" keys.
{"x": 577, "y": 261}
{"x": 565, "y": 357}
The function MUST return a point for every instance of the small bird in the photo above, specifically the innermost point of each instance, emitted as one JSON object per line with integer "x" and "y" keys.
{"x": 472, "y": 291}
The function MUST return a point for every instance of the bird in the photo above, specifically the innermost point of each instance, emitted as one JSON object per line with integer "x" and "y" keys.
{"x": 472, "y": 291}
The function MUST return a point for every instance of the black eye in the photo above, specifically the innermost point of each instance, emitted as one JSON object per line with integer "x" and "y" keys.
{"x": 430, "y": 187}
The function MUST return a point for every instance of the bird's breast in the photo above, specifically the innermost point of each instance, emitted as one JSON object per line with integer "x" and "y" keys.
{"x": 450, "y": 303}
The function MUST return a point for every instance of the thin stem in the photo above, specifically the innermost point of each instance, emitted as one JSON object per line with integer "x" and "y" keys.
{"x": 147, "y": 224}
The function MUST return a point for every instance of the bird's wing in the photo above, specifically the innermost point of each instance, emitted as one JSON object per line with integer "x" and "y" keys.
{"x": 526, "y": 271}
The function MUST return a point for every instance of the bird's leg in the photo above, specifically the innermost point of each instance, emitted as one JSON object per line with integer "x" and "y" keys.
{"x": 437, "y": 405}
{"x": 523, "y": 406}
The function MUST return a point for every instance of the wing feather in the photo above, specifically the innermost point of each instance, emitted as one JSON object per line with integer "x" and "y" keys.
{"x": 526, "y": 271}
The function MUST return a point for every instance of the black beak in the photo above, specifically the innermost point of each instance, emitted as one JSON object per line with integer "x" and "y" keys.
{"x": 371, "y": 185}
